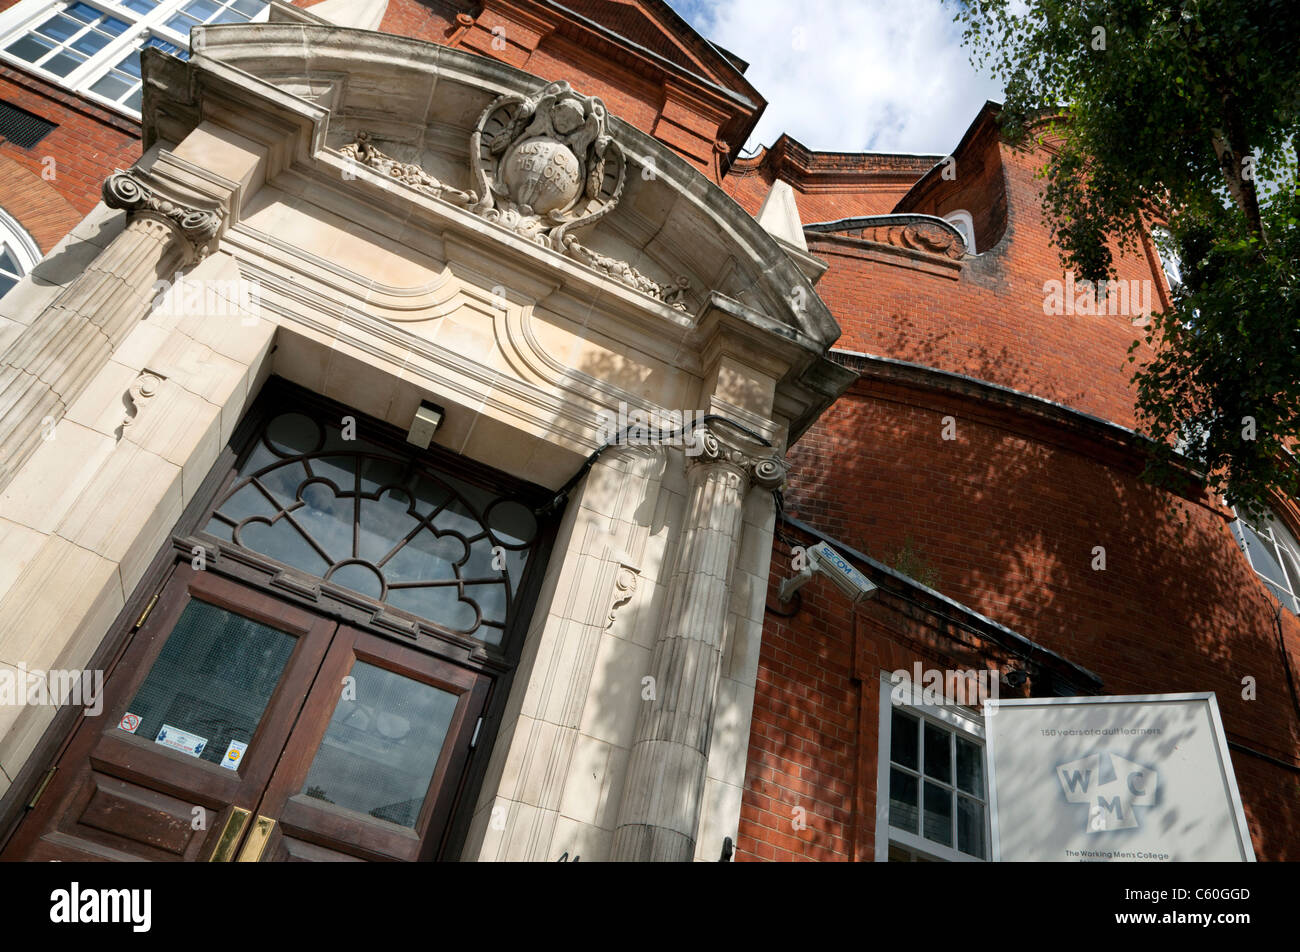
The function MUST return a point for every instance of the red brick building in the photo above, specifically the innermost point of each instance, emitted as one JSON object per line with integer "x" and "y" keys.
{"x": 982, "y": 470}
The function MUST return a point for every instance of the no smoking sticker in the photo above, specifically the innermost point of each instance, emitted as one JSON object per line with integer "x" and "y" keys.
{"x": 129, "y": 723}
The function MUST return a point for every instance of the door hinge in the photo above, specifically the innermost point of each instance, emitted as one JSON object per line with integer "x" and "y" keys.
{"x": 139, "y": 622}
{"x": 45, "y": 782}
{"x": 473, "y": 741}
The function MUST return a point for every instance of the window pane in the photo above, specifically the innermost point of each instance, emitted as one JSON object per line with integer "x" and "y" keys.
{"x": 140, "y": 6}
{"x": 380, "y": 750}
{"x": 84, "y": 12}
{"x": 970, "y": 767}
{"x": 89, "y": 43}
{"x": 1262, "y": 554}
{"x": 903, "y": 743}
{"x": 61, "y": 64}
{"x": 113, "y": 25}
{"x": 938, "y": 753}
{"x": 8, "y": 262}
{"x": 938, "y": 814}
{"x": 112, "y": 86}
{"x": 6, "y": 283}
{"x": 249, "y": 8}
{"x": 60, "y": 28}
{"x": 902, "y": 801}
{"x": 29, "y": 48}
{"x": 130, "y": 64}
{"x": 212, "y": 680}
{"x": 182, "y": 24}
{"x": 970, "y": 827}
{"x": 201, "y": 9}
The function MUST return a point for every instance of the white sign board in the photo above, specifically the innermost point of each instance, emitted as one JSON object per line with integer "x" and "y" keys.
{"x": 1142, "y": 778}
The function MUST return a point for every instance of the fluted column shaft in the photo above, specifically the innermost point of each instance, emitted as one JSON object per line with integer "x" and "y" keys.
{"x": 47, "y": 368}
{"x": 664, "y": 786}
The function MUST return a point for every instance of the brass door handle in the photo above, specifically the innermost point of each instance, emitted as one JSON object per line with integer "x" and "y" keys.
{"x": 257, "y": 840}
{"x": 230, "y": 834}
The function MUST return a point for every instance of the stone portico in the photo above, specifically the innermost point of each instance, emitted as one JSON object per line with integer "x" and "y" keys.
{"x": 404, "y": 247}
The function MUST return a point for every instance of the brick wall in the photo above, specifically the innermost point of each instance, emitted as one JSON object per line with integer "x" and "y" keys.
{"x": 1004, "y": 518}
{"x": 87, "y": 145}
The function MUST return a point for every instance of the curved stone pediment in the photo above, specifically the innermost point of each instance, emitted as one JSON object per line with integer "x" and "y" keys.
{"x": 537, "y": 159}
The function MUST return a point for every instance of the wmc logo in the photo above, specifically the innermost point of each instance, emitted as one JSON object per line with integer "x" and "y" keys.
{"x": 1111, "y": 786}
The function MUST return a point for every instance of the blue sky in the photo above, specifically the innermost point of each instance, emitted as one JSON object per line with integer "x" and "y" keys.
{"x": 851, "y": 75}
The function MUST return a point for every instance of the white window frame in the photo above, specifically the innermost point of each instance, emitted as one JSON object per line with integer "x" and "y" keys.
{"x": 1170, "y": 266}
{"x": 954, "y": 718}
{"x": 26, "y": 15}
{"x": 17, "y": 239}
{"x": 964, "y": 222}
{"x": 1290, "y": 596}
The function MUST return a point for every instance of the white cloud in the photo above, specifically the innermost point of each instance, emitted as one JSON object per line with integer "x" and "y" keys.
{"x": 852, "y": 75}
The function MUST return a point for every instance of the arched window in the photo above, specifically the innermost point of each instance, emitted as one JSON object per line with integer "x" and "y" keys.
{"x": 18, "y": 252}
{"x": 965, "y": 224}
{"x": 310, "y": 495}
{"x": 1274, "y": 554}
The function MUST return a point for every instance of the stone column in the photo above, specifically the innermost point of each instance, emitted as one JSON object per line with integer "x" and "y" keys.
{"x": 665, "y": 777}
{"x": 62, "y": 349}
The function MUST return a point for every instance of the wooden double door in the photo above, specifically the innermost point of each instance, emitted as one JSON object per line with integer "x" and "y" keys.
{"x": 237, "y": 727}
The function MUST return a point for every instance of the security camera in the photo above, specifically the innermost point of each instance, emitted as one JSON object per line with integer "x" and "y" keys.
{"x": 823, "y": 560}
{"x": 1014, "y": 678}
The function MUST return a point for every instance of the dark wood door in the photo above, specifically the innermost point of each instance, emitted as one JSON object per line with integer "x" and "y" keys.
{"x": 216, "y": 665}
{"x": 374, "y": 765}
{"x": 236, "y": 726}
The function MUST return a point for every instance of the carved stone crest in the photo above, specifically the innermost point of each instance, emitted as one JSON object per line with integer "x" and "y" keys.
{"x": 542, "y": 166}
{"x": 546, "y": 163}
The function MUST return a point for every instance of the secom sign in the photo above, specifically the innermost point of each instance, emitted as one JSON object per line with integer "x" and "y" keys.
{"x": 1142, "y": 778}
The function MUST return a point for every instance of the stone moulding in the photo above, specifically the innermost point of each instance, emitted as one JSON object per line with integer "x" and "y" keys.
{"x": 543, "y": 164}
{"x": 925, "y": 233}
{"x": 196, "y": 226}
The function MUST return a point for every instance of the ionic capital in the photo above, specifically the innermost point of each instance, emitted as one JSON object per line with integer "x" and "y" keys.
{"x": 721, "y": 444}
{"x": 197, "y": 228}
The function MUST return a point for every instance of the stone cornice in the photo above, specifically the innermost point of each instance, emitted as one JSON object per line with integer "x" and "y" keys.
{"x": 1037, "y": 417}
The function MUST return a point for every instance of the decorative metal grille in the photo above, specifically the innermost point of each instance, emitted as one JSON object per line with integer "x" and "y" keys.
{"x": 379, "y": 523}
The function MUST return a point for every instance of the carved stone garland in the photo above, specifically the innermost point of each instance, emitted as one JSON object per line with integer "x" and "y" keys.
{"x": 542, "y": 165}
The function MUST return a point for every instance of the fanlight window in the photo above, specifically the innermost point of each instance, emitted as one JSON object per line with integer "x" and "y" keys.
{"x": 379, "y": 523}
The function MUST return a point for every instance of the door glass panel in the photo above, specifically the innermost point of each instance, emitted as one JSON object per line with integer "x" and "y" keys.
{"x": 211, "y": 682}
{"x": 382, "y": 745}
